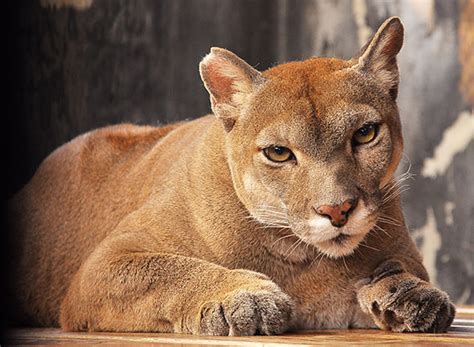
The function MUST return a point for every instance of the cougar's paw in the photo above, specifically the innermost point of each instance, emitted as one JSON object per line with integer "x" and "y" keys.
{"x": 247, "y": 312}
{"x": 405, "y": 303}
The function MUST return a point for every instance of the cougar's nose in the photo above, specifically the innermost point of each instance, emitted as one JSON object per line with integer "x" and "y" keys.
{"x": 337, "y": 214}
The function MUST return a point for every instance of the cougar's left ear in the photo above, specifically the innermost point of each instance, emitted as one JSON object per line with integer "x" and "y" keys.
{"x": 378, "y": 57}
{"x": 229, "y": 81}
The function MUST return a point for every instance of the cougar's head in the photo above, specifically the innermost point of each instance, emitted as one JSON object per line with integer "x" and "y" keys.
{"x": 312, "y": 144}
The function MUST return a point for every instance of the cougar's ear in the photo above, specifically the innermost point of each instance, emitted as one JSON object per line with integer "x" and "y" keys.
{"x": 378, "y": 57}
{"x": 229, "y": 81}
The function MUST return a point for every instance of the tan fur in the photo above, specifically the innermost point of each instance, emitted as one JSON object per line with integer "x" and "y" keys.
{"x": 188, "y": 228}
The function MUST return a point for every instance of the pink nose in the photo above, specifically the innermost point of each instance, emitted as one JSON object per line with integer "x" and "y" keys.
{"x": 337, "y": 214}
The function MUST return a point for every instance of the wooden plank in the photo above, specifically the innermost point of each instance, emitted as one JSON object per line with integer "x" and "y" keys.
{"x": 462, "y": 333}
{"x": 335, "y": 337}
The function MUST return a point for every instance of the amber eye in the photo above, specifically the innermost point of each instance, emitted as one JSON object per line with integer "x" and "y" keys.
{"x": 278, "y": 154}
{"x": 365, "y": 134}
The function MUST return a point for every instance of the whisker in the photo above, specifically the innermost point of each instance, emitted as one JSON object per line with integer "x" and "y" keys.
{"x": 281, "y": 238}
{"x": 388, "y": 221}
{"x": 291, "y": 246}
{"x": 389, "y": 187}
{"x": 319, "y": 256}
{"x": 297, "y": 243}
{"x": 370, "y": 247}
{"x": 270, "y": 212}
{"x": 376, "y": 233}
{"x": 400, "y": 192}
{"x": 320, "y": 259}
{"x": 345, "y": 264}
{"x": 272, "y": 226}
{"x": 271, "y": 209}
{"x": 272, "y": 222}
{"x": 270, "y": 215}
{"x": 395, "y": 194}
{"x": 386, "y": 216}
{"x": 267, "y": 215}
{"x": 394, "y": 189}
{"x": 382, "y": 230}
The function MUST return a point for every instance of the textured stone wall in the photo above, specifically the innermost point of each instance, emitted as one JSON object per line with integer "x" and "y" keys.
{"x": 77, "y": 65}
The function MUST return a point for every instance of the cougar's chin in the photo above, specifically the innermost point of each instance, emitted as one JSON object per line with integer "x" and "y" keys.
{"x": 340, "y": 246}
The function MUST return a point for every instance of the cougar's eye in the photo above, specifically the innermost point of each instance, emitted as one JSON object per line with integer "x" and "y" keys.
{"x": 365, "y": 134}
{"x": 278, "y": 154}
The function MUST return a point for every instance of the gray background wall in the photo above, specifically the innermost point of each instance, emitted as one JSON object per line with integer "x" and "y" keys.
{"x": 80, "y": 64}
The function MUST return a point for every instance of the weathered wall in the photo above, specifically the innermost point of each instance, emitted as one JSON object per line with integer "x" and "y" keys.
{"x": 102, "y": 62}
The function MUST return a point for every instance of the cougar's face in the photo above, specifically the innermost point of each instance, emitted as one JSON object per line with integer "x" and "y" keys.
{"x": 313, "y": 151}
{"x": 312, "y": 144}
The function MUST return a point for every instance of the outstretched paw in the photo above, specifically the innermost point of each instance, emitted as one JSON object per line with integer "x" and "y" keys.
{"x": 398, "y": 301}
{"x": 246, "y": 311}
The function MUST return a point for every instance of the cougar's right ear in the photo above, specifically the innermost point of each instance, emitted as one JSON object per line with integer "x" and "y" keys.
{"x": 229, "y": 81}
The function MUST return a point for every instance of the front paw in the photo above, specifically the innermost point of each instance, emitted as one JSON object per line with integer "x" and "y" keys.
{"x": 247, "y": 311}
{"x": 405, "y": 303}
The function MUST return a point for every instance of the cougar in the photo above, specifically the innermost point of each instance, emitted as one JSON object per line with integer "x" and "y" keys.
{"x": 278, "y": 211}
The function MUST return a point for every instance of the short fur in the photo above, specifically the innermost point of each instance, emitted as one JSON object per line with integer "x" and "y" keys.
{"x": 189, "y": 228}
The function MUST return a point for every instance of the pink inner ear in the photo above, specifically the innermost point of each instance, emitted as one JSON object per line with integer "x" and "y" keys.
{"x": 391, "y": 45}
{"x": 220, "y": 85}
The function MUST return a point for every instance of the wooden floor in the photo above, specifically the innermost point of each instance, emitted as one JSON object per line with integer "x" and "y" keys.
{"x": 461, "y": 333}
